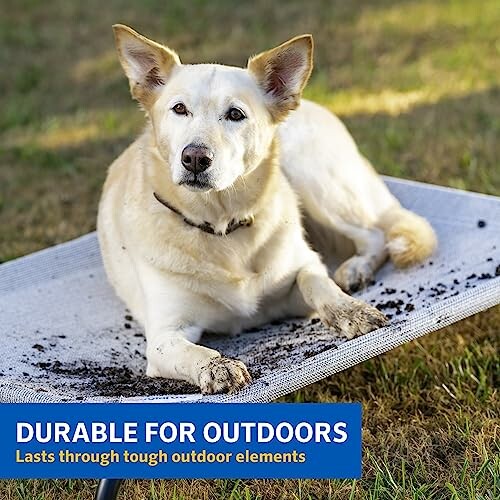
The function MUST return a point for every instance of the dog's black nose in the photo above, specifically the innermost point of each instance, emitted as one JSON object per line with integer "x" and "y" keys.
{"x": 196, "y": 158}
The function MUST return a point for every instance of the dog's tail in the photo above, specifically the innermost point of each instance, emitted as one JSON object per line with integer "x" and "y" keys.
{"x": 410, "y": 239}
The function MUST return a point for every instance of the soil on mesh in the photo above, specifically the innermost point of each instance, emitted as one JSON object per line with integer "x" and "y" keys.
{"x": 294, "y": 343}
{"x": 113, "y": 381}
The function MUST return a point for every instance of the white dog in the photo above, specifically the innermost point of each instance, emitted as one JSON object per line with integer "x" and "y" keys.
{"x": 200, "y": 222}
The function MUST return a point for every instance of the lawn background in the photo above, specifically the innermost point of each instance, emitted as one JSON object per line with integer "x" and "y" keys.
{"x": 418, "y": 85}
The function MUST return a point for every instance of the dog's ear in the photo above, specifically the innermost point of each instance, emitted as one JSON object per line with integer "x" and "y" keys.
{"x": 282, "y": 73}
{"x": 147, "y": 64}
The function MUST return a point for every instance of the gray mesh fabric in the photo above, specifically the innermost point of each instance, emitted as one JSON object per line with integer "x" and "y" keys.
{"x": 66, "y": 337}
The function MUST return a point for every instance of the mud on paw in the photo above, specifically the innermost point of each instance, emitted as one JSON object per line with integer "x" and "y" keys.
{"x": 351, "y": 318}
{"x": 224, "y": 375}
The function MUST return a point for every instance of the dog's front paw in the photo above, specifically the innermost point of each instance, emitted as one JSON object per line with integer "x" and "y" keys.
{"x": 351, "y": 318}
{"x": 223, "y": 375}
{"x": 354, "y": 274}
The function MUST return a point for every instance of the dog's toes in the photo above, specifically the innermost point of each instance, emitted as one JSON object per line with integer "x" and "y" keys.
{"x": 351, "y": 318}
{"x": 354, "y": 274}
{"x": 224, "y": 375}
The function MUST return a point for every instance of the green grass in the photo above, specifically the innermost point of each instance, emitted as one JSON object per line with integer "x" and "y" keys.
{"x": 417, "y": 83}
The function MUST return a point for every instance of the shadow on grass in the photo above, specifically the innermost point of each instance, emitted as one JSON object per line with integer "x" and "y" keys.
{"x": 452, "y": 142}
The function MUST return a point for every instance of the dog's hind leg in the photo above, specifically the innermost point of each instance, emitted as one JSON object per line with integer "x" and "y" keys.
{"x": 341, "y": 192}
{"x": 338, "y": 190}
{"x": 346, "y": 214}
{"x": 367, "y": 253}
{"x": 371, "y": 253}
{"x": 341, "y": 225}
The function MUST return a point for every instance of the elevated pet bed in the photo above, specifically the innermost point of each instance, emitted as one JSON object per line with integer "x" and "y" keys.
{"x": 66, "y": 337}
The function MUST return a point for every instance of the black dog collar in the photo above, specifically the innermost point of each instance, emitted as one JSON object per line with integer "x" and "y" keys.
{"x": 206, "y": 226}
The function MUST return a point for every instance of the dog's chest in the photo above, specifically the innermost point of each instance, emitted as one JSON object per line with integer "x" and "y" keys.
{"x": 241, "y": 277}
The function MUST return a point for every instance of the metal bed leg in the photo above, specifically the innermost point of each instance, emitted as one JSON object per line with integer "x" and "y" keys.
{"x": 108, "y": 489}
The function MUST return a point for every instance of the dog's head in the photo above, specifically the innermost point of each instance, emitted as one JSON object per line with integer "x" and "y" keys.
{"x": 213, "y": 123}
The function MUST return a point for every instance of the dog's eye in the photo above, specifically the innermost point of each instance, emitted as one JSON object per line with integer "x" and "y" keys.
{"x": 180, "y": 109}
{"x": 235, "y": 115}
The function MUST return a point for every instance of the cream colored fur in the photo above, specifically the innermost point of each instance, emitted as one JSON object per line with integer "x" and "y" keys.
{"x": 179, "y": 281}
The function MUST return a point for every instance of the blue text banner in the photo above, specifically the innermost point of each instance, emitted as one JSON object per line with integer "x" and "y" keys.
{"x": 180, "y": 440}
